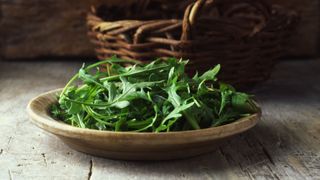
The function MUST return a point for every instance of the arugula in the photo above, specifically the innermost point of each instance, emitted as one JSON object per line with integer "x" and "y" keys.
{"x": 154, "y": 97}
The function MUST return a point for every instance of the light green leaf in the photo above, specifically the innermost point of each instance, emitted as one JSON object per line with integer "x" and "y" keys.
{"x": 211, "y": 74}
{"x": 173, "y": 97}
{"x": 121, "y": 104}
{"x": 177, "y": 111}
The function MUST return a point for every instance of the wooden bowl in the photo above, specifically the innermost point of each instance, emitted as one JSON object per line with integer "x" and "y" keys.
{"x": 134, "y": 145}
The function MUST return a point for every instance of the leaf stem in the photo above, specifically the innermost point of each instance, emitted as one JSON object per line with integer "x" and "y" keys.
{"x": 191, "y": 120}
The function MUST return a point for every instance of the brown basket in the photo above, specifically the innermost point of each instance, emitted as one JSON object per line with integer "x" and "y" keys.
{"x": 244, "y": 36}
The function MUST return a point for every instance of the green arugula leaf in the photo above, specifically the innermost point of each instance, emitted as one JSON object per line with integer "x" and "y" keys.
{"x": 152, "y": 97}
{"x": 211, "y": 74}
{"x": 121, "y": 104}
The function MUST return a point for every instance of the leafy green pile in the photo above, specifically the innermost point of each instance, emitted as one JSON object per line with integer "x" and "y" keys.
{"x": 153, "y": 97}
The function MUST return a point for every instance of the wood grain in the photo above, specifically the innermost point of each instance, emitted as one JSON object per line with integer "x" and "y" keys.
{"x": 284, "y": 145}
{"x": 36, "y": 28}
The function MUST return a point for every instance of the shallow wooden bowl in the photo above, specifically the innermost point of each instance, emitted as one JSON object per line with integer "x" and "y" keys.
{"x": 134, "y": 145}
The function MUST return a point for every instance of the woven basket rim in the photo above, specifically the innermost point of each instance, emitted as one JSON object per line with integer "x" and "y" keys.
{"x": 288, "y": 13}
{"x": 249, "y": 57}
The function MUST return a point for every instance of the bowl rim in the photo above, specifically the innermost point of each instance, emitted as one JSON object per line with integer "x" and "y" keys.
{"x": 46, "y": 122}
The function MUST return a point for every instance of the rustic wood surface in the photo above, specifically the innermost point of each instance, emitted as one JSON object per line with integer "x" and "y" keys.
{"x": 33, "y": 28}
{"x": 284, "y": 145}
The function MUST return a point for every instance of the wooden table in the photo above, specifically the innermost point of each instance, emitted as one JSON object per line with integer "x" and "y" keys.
{"x": 284, "y": 145}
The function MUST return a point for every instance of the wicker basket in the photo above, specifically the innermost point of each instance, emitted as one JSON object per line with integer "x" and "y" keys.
{"x": 244, "y": 36}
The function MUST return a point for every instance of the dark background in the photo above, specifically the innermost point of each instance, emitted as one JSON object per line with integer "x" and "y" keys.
{"x": 32, "y": 29}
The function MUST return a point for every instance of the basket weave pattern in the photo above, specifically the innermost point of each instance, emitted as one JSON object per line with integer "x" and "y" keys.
{"x": 245, "y": 37}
